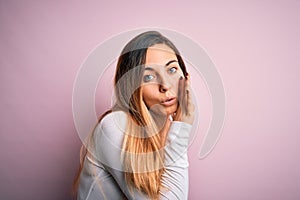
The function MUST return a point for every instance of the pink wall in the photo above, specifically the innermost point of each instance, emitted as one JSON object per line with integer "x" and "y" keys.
{"x": 255, "y": 46}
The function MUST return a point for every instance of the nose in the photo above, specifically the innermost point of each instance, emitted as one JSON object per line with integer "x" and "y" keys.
{"x": 163, "y": 88}
{"x": 164, "y": 85}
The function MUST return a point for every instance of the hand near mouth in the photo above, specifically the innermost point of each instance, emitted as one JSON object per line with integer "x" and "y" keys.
{"x": 185, "y": 110}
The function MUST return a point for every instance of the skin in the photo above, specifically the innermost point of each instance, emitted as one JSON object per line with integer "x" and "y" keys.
{"x": 160, "y": 80}
{"x": 163, "y": 79}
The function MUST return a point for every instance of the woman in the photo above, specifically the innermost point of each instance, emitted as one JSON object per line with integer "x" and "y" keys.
{"x": 138, "y": 149}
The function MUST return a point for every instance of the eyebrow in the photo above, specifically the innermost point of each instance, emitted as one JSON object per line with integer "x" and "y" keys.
{"x": 170, "y": 62}
{"x": 149, "y": 68}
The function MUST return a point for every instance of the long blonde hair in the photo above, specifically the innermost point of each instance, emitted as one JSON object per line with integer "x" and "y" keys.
{"x": 142, "y": 155}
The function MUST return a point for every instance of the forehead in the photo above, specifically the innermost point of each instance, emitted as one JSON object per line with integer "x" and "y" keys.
{"x": 159, "y": 54}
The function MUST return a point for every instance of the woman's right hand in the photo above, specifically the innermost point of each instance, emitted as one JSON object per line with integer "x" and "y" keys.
{"x": 186, "y": 108}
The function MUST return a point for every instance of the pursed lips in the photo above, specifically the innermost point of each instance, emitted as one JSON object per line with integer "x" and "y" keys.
{"x": 168, "y": 101}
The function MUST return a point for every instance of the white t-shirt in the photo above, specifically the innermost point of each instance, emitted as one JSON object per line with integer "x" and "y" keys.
{"x": 103, "y": 176}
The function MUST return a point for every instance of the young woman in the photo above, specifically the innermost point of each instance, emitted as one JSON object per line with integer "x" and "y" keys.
{"x": 138, "y": 149}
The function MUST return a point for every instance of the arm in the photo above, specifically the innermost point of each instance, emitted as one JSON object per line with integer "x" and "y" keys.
{"x": 109, "y": 137}
{"x": 176, "y": 161}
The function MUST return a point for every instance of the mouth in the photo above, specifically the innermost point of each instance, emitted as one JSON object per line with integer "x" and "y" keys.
{"x": 169, "y": 101}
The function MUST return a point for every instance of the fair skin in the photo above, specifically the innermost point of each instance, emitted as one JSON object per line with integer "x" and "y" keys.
{"x": 160, "y": 81}
{"x": 162, "y": 90}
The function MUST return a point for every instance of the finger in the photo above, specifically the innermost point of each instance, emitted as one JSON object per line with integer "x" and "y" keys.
{"x": 188, "y": 97}
{"x": 187, "y": 102}
{"x": 180, "y": 94}
{"x": 178, "y": 115}
{"x": 180, "y": 99}
{"x": 183, "y": 96}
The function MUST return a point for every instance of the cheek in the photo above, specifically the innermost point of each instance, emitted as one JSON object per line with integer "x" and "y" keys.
{"x": 149, "y": 94}
{"x": 175, "y": 83}
{"x": 180, "y": 73}
{"x": 175, "y": 79}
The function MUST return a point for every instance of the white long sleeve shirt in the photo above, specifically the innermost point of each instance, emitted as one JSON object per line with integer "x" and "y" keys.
{"x": 103, "y": 175}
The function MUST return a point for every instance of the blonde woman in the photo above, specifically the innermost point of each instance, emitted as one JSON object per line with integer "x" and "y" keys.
{"x": 138, "y": 149}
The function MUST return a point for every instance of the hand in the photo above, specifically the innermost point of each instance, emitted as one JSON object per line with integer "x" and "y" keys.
{"x": 186, "y": 108}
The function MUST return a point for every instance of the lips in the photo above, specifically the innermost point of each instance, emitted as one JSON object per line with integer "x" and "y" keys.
{"x": 169, "y": 101}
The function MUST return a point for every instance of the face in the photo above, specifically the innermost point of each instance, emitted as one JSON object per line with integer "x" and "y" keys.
{"x": 160, "y": 80}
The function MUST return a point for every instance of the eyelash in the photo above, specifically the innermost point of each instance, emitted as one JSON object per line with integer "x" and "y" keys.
{"x": 169, "y": 70}
{"x": 150, "y": 77}
{"x": 147, "y": 79}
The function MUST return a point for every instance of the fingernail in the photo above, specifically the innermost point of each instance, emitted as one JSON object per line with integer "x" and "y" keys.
{"x": 180, "y": 78}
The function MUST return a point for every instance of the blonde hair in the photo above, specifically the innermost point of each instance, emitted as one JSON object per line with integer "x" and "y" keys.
{"x": 142, "y": 154}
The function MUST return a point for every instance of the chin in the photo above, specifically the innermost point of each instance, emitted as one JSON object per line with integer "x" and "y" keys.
{"x": 170, "y": 110}
{"x": 161, "y": 110}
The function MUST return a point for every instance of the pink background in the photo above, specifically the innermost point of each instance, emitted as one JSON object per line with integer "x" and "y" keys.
{"x": 255, "y": 46}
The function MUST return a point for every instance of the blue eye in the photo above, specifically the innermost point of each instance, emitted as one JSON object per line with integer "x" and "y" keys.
{"x": 172, "y": 70}
{"x": 148, "y": 78}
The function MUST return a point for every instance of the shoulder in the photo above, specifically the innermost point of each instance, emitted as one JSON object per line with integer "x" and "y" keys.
{"x": 112, "y": 126}
{"x": 108, "y": 139}
{"x": 117, "y": 119}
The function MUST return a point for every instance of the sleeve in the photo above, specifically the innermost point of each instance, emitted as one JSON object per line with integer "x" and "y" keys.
{"x": 108, "y": 145}
{"x": 176, "y": 162}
